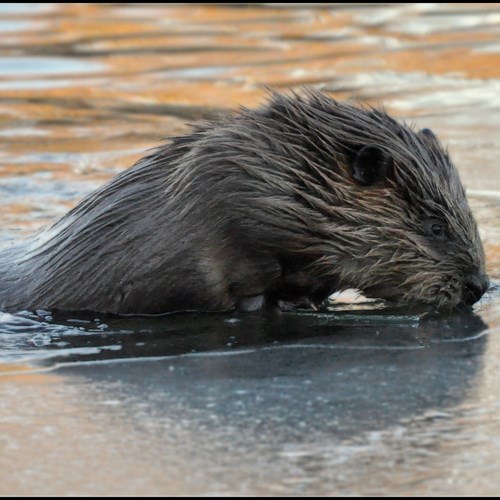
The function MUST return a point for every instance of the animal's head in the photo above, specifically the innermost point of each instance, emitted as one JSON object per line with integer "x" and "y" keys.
{"x": 391, "y": 199}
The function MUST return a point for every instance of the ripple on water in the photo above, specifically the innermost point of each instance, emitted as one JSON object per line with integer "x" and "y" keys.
{"x": 25, "y": 66}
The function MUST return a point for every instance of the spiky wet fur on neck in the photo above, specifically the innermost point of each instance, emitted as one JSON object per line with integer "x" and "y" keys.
{"x": 262, "y": 202}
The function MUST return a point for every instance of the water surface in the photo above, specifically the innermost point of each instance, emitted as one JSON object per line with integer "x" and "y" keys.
{"x": 358, "y": 402}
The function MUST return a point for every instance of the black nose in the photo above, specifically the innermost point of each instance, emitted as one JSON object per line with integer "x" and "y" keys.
{"x": 474, "y": 288}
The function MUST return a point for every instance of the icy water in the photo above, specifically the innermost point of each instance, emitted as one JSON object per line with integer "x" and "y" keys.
{"x": 357, "y": 401}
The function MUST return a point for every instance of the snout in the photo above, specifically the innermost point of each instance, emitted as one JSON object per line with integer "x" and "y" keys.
{"x": 474, "y": 288}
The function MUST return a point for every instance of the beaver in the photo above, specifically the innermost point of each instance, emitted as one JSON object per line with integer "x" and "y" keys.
{"x": 283, "y": 204}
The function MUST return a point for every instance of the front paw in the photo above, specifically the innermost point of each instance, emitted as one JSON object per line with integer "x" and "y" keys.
{"x": 249, "y": 304}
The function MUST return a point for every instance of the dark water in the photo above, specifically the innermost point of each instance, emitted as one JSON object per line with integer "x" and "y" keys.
{"x": 357, "y": 401}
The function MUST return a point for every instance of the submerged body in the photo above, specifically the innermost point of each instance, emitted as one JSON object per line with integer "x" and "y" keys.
{"x": 286, "y": 203}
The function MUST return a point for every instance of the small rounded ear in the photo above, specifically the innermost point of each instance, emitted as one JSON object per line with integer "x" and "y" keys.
{"x": 371, "y": 166}
{"x": 429, "y": 134}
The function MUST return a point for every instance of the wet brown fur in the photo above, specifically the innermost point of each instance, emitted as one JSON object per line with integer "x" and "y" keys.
{"x": 255, "y": 208}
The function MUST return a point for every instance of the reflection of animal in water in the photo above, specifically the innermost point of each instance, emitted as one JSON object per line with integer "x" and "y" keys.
{"x": 340, "y": 376}
{"x": 283, "y": 204}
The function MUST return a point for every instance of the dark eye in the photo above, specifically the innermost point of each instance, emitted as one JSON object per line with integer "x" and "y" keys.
{"x": 436, "y": 229}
